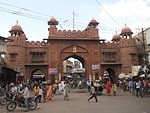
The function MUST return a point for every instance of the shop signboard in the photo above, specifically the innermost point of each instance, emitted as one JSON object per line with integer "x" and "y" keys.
{"x": 95, "y": 66}
{"x": 52, "y": 71}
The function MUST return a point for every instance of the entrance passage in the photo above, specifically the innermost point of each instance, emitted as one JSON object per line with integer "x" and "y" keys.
{"x": 110, "y": 74}
{"x": 74, "y": 71}
{"x": 37, "y": 76}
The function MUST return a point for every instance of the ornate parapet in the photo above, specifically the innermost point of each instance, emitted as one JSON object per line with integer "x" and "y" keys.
{"x": 110, "y": 45}
{"x": 19, "y": 40}
{"x": 90, "y": 33}
{"x": 127, "y": 42}
{"x": 36, "y": 44}
{"x": 124, "y": 42}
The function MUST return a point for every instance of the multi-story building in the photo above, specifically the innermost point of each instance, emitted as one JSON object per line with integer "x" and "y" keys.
{"x": 95, "y": 54}
{"x": 5, "y": 71}
{"x": 67, "y": 66}
{"x": 143, "y": 46}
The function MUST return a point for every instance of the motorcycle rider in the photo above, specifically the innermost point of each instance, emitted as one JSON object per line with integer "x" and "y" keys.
{"x": 13, "y": 90}
{"x": 26, "y": 94}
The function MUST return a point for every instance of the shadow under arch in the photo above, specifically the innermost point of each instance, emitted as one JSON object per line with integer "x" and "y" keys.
{"x": 112, "y": 75}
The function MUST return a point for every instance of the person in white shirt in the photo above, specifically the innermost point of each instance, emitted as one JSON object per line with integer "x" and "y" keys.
{"x": 138, "y": 88}
{"x": 40, "y": 94}
{"x": 66, "y": 90}
{"x": 93, "y": 93}
{"x": 13, "y": 90}
{"x": 61, "y": 87}
{"x": 26, "y": 94}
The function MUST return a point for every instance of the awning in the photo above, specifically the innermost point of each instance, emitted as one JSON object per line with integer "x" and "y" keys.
{"x": 7, "y": 73}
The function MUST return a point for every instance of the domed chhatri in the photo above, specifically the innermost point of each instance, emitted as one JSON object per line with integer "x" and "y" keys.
{"x": 126, "y": 31}
{"x": 16, "y": 30}
{"x": 53, "y": 21}
{"x": 16, "y": 27}
{"x": 93, "y": 23}
{"x": 116, "y": 37}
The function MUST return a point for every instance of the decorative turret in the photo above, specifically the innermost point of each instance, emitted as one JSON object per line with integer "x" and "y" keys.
{"x": 52, "y": 30}
{"x": 116, "y": 38}
{"x": 16, "y": 30}
{"x": 17, "y": 35}
{"x": 93, "y": 23}
{"x": 126, "y": 31}
{"x": 53, "y": 22}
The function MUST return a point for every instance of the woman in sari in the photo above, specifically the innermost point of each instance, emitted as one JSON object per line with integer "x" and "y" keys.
{"x": 108, "y": 87}
{"x": 49, "y": 92}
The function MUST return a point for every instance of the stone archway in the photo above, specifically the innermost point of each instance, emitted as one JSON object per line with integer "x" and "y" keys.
{"x": 85, "y": 44}
{"x": 77, "y": 52}
{"x": 82, "y": 75}
{"x": 89, "y": 51}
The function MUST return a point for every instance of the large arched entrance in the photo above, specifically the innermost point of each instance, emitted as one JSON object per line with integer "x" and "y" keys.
{"x": 79, "y": 56}
{"x": 74, "y": 71}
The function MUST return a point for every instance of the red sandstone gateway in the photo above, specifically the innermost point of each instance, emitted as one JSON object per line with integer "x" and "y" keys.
{"x": 87, "y": 46}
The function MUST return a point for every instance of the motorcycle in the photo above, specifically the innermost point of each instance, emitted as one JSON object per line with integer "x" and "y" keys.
{"x": 19, "y": 101}
{"x": 5, "y": 98}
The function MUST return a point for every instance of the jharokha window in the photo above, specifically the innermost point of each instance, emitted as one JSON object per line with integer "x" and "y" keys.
{"x": 109, "y": 56}
{"x": 37, "y": 56}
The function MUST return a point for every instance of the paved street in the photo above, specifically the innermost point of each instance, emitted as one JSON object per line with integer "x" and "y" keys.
{"x": 122, "y": 103}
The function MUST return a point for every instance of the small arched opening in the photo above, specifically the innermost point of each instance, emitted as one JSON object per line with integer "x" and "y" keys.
{"x": 37, "y": 76}
{"x": 111, "y": 75}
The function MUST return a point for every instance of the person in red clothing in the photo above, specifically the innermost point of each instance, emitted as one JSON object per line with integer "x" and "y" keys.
{"x": 108, "y": 87}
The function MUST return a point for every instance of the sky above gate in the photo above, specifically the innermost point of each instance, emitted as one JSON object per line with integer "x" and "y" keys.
{"x": 112, "y": 16}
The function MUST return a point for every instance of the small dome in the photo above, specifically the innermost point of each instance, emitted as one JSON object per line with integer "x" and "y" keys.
{"x": 53, "y": 21}
{"x": 126, "y": 30}
{"x": 93, "y": 22}
{"x": 116, "y": 37}
{"x": 16, "y": 27}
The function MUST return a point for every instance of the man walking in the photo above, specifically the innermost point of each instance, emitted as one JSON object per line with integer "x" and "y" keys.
{"x": 93, "y": 93}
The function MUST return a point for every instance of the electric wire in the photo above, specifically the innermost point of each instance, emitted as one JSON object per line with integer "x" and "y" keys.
{"x": 108, "y": 13}
{"x": 42, "y": 16}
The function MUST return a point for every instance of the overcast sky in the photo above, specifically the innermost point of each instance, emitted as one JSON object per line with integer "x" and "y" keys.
{"x": 112, "y": 15}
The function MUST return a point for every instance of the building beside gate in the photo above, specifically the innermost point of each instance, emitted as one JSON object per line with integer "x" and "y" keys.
{"x": 95, "y": 54}
{"x": 7, "y": 74}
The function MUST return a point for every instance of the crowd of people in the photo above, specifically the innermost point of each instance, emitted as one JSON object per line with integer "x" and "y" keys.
{"x": 139, "y": 86}
{"x": 46, "y": 91}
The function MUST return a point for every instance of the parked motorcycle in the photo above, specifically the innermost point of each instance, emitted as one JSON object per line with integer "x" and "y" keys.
{"x": 19, "y": 101}
{"x": 5, "y": 98}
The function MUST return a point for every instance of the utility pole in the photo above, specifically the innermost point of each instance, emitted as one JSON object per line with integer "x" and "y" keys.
{"x": 73, "y": 19}
{"x": 143, "y": 45}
